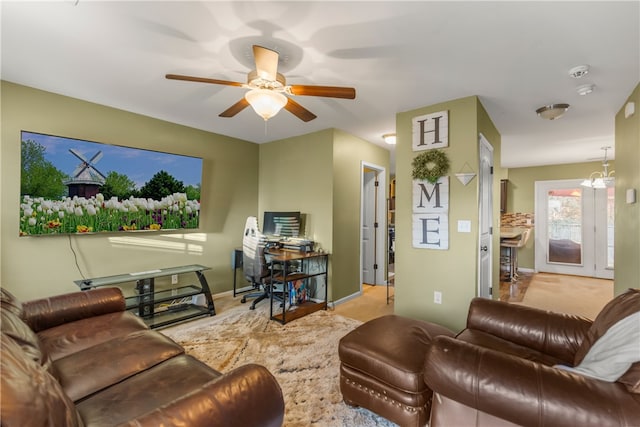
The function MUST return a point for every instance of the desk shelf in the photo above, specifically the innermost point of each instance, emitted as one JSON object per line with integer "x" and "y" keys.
{"x": 311, "y": 275}
{"x": 159, "y": 304}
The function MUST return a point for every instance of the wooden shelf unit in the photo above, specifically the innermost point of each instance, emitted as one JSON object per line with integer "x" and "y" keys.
{"x": 311, "y": 275}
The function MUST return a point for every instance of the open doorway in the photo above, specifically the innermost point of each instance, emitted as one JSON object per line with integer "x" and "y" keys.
{"x": 373, "y": 225}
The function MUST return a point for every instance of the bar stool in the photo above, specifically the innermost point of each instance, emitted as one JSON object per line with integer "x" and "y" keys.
{"x": 511, "y": 258}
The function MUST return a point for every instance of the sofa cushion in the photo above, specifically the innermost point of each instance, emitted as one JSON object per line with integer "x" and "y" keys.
{"x": 631, "y": 378}
{"x": 118, "y": 359}
{"x": 12, "y": 325}
{"x": 30, "y": 396}
{"x": 614, "y": 352}
{"x": 617, "y": 309}
{"x": 493, "y": 342}
{"x": 147, "y": 391}
{"x": 68, "y": 338}
{"x": 9, "y": 302}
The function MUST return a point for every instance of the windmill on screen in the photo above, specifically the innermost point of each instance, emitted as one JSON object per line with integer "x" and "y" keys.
{"x": 86, "y": 179}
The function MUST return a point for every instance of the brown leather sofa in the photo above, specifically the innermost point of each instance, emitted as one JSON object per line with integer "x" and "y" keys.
{"x": 81, "y": 360}
{"x": 499, "y": 371}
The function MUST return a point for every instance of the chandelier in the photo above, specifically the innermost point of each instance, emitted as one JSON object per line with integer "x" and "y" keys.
{"x": 601, "y": 179}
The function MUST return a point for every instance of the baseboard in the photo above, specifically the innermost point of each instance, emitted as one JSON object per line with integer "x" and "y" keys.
{"x": 230, "y": 293}
{"x": 332, "y": 304}
{"x": 526, "y": 270}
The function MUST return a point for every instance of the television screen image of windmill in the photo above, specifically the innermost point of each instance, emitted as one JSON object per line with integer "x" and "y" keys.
{"x": 86, "y": 179}
{"x": 75, "y": 186}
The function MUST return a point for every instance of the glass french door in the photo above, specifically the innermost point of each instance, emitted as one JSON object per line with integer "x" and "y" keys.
{"x": 574, "y": 229}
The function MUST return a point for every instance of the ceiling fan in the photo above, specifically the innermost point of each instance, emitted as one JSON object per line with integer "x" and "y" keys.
{"x": 267, "y": 89}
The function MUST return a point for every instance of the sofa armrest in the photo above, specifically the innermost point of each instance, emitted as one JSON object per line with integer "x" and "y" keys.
{"x": 525, "y": 392}
{"x": 46, "y": 313}
{"x": 248, "y": 396}
{"x": 556, "y": 334}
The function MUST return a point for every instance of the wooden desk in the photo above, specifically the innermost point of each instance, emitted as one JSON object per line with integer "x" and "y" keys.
{"x": 310, "y": 280}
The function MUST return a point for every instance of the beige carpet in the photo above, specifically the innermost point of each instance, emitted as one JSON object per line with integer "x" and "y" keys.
{"x": 302, "y": 355}
{"x": 582, "y": 296}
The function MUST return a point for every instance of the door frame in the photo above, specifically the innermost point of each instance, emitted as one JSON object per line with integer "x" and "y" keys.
{"x": 381, "y": 232}
{"x": 588, "y": 267}
{"x": 487, "y": 291}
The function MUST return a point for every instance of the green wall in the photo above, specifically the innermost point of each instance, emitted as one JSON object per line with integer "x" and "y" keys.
{"x": 295, "y": 175}
{"x": 318, "y": 174}
{"x": 521, "y": 194}
{"x": 627, "y": 220}
{"x": 348, "y": 154}
{"x": 420, "y": 272}
{"x": 34, "y": 267}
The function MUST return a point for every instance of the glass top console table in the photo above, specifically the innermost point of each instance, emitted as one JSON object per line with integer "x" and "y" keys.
{"x": 163, "y": 296}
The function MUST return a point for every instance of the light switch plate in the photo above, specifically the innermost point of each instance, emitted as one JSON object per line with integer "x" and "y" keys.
{"x": 464, "y": 226}
{"x": 437, "y": 297}
{"x": 631, "y": 195}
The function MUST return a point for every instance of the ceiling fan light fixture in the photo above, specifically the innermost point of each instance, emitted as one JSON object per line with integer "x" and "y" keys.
{"x": 266, "y": 103}
{"x": 552, "y": 111}
{"x": 389, "y": 138}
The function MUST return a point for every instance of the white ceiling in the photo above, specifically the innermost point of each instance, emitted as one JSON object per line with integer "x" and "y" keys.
{"x": 398, "y": 55}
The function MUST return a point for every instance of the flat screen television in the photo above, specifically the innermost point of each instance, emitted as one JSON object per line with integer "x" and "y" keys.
{"x": 282, "y": 224}
{"x": 73, "y": 186}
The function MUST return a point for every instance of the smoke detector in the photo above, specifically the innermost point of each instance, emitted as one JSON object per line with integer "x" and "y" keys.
{"x": 579, "y": 71}
{"x": 585, "y": 89}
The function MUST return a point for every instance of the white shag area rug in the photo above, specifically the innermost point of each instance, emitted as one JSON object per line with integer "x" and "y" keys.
{"x": 302, "y": 355}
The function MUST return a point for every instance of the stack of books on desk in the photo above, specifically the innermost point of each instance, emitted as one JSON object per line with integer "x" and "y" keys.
{"x": 297, "y": 244}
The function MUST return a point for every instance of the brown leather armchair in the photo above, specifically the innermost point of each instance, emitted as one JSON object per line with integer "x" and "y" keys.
{"x": 499, "y": 371}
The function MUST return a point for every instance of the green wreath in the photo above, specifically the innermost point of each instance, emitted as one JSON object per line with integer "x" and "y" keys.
{"x": 430, "y": 165}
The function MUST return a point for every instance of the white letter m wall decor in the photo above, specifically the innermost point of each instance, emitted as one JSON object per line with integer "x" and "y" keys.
{"x": 431, "y": 214}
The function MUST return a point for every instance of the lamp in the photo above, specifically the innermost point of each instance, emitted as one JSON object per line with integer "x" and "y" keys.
{"x": 265, "y": 102}
{"x": 389, "y": 138}
{"x": 600, "y": 179}
{"x": 552, "y": 111}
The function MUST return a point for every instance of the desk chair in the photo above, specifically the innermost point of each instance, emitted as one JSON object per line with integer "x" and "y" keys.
{"x": 256, "y": 269}
{"x": 512, "y": 246}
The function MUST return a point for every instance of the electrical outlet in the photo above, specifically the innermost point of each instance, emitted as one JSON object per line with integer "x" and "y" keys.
{"x": 174, "y": 279}
{"x": 437, "y": 297}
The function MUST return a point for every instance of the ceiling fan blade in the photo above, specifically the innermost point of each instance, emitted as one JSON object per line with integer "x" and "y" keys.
{"x": 326, "y": 91}
{"x": 202, "y": 80}
{"x": 235, "y": 108}
{"x": 266, "y": 62}
{"x": 299, "y": 111}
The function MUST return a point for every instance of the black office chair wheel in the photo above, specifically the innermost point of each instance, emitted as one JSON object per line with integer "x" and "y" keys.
{"x": 252, "y": 307}
{"x": 243, "y": 300}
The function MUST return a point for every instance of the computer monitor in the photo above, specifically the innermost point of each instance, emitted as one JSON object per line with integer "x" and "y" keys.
{"x": 284, "y": 224}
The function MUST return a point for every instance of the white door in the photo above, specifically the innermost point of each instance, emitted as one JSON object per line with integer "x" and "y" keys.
{"x": 574, "y": 229}
{"x": 485, "y": 219}
{"x": 368, "y": 251}
{"x": 373, "y": 225}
